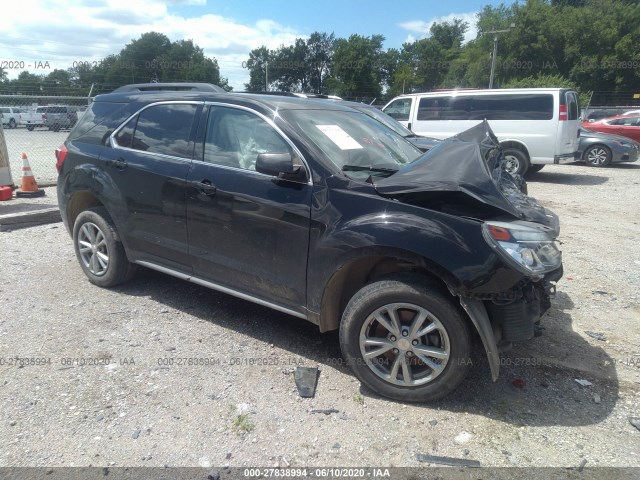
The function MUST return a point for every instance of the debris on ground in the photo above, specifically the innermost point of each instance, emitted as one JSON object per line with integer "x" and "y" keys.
{"x": 584, "y": 383}
{"x": 635, "y": 421}
{"x": 454, "y": 462}
{"x": 306, "y": 380}
{"x": 326, "y": 411}
{"x": 519, "y": 383}
{"x": 596, "y": 335}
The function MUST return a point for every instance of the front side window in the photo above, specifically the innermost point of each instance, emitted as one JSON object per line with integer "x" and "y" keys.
{"x": 399, "y": 109}
{"x": 236, "y": 137}
{"x": 163, "y": 129}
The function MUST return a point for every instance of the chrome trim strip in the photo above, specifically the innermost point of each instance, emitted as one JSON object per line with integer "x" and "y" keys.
{"x": 220, "y": 288}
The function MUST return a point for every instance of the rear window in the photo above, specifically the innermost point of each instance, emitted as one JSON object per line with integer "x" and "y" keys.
{"x": 490, "y": 107}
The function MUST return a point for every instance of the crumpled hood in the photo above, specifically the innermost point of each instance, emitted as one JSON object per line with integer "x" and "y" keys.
{"x": 470, "y": 162}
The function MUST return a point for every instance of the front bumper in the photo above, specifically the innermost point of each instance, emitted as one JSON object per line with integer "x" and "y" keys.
{"x": 626, "y": 155}
{"x": 500, "y": 321}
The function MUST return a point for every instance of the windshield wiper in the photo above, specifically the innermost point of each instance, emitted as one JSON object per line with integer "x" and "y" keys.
{"x": 360, "y": 168}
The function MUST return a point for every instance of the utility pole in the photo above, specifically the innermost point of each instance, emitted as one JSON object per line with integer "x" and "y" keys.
{"x": 266, "y": 76}
{"x": 495, "y": 51}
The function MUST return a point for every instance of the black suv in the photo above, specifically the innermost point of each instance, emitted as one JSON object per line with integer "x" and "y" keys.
{"x": 319, "y": 211}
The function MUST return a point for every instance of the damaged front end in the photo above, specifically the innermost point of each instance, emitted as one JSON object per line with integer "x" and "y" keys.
{"x": 463, "y": 176}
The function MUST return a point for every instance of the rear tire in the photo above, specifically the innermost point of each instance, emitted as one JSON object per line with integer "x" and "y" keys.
{"x": 516, "y": 161}
{"x": 404, "y": 338}
{"x": 12, "y": 123}
{"x": 99, "y": 249}
{"x": 30, "y": 128}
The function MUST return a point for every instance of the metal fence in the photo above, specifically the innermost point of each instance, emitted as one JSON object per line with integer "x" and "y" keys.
{"x": 40, "y": 139}
{"x": 32, "y": 134}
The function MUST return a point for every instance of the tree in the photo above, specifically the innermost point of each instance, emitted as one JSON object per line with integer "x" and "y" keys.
{"x": 258, "y": 65}
{"x": 57, "y": 83}
{"x": 356, "y": 66}
{"x": 319, "y": 55}
{"x": 26, "y": 84}
{"x": 3, "y": 75}
{"x": 547, "y": 81}
{"x": 288, "y": 67}
{"x": 140, "y": 60}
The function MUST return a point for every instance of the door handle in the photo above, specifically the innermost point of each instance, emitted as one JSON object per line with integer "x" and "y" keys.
{"x": 206, "y": 187}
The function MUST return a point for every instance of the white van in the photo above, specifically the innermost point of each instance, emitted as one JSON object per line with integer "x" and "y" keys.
{"x": 536, "y": 126}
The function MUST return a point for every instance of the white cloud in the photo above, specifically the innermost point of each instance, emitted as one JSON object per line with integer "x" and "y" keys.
{"x": 62, "y": 32}
{"x": 421, "y": 27}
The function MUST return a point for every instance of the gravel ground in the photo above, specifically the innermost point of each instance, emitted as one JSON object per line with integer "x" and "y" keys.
{"x": 114, "y": 389}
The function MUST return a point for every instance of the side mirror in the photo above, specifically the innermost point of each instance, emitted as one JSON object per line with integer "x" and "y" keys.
{"x": 279, "y": 165}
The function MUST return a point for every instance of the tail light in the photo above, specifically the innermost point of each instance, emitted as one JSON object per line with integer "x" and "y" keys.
{"x": 61, "y": 154}
{"x": 562, "y": 115}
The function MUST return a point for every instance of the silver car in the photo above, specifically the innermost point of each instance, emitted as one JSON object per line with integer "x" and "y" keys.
{"x": 602, "y": 149}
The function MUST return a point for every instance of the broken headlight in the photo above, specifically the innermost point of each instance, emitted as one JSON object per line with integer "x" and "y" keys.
{"x": 531, "y": 250}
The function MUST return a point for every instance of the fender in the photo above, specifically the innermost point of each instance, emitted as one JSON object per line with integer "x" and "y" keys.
{"x": 478, "y": 315}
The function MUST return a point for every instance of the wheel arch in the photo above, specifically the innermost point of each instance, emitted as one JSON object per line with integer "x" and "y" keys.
{"x": 366, "y": 267}
{"x": 593, "y": 145}
{"x": 79, "y": 202}
{"x": 517, "y": 145}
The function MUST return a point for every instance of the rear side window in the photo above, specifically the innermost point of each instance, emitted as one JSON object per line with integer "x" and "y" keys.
{"x": 490, "y": 107}
{"x": 627, "y": 122}
{"x": 99, "y": 121}
{"x": 164, "y": 129}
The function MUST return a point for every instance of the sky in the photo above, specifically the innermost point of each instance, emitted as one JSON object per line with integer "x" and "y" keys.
{"x": 42, "y": 35}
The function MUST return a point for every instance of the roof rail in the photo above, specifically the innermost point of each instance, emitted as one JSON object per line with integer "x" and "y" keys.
{"x": 156, "y": 87}
{"x": 297, "y": 94}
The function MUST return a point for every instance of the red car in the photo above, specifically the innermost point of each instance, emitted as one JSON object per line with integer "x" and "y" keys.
{"x": 625, "y": 125}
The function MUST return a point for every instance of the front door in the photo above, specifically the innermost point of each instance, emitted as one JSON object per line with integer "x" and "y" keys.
{"x": 247, "y": 231}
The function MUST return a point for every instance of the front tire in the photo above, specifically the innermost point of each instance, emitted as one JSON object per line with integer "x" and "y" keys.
{"x": 99, "y": 249}
{"x": 12, "y": 123}
{"x": 405, "y": 339}
{"x": 597, "y": 156}
{"x": 515, "y": 161}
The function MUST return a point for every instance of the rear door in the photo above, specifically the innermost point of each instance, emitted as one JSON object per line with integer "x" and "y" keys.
{"x": 568, "y": 123}
{"x": 248, "y": 231}
{"x": 149, "y": 162}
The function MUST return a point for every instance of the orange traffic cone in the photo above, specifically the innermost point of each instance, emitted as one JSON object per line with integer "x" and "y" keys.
{"x": 29, "y": 185}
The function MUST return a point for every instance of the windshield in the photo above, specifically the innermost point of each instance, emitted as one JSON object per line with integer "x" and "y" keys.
{"x": 353, "y": 142}
{"x": 386, "y": 120}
